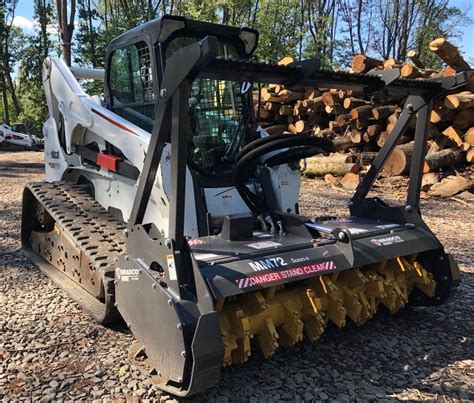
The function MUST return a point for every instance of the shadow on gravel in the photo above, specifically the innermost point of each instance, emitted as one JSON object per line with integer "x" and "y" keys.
{"x": 15, "y": 169}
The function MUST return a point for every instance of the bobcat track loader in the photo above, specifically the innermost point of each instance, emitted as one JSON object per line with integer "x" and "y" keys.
{"x": 166, "y": 206}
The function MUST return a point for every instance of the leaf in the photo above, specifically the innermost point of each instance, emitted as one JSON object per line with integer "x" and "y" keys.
{"x": 122, "y": 370}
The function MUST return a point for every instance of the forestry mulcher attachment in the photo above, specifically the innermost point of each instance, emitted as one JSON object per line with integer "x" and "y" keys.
{"x": 167, "y": 206}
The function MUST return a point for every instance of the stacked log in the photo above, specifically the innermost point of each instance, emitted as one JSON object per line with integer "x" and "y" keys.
{"x": 359, "y": 126}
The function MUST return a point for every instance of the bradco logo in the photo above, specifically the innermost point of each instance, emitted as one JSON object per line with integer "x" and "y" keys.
{"x": 270, "y": 263}
{"x": 386, "y": 241}
{"x": 127, "y": 274}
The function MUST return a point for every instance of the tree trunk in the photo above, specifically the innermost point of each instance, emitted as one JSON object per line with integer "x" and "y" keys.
{"x": 343, "y": 143}
{"x": 11, "y": 86}
{"x": 459, "y": 101}
{"x": 454, "y": 135}
{"x": 450, "y": 157}
{"x": 383, "y": 112}
{"x": 350, "y": 103}
{"x": 399, "y": 161}
{"x": 469, "y": 136}
{"x": 361, "y": 112}
{"x": 414, "y": 57}
{"x": 6, "y": 113}
{"x": 449, "y": 53}
{"x": 362, "y": 63}
{"x": 464, "y": 119}
{"x": 334, "y": 164}
{"x": 450, "y": 186}
{"x": 66, "y": 27}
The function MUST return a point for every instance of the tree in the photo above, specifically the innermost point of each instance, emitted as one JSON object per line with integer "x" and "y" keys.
{"x": 7, "y": 13}
{"x": 34, "y": 111}
{"x": 66, "y": 26}
{"x": 390, "y": 28}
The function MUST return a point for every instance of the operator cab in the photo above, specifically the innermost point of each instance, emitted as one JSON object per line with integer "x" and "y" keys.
{"x": 220, "y": 111}
{"x": 220, "y": 127}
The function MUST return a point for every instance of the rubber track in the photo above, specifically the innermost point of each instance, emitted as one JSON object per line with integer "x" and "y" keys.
{"x": 95, "y": 231}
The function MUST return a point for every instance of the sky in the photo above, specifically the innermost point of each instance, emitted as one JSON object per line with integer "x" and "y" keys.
{"x": 24, "y": 14}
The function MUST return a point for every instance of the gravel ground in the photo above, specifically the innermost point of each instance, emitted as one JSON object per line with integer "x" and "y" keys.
{"x": 50, "y": 349}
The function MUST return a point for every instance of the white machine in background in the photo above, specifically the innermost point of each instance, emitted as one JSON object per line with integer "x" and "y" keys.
{"x": 17, "y": 135}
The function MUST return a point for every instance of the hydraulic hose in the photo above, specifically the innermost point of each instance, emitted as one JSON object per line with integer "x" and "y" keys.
{"x": 249, "y": 156}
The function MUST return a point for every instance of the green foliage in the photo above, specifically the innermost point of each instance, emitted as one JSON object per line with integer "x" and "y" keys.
{"x": 30, "y": 81}
{"x": 330, "y": 30}
{"x": 273, "y": 21}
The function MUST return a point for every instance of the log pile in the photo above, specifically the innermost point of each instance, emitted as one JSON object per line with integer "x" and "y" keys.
{"x": 359, "y": 126}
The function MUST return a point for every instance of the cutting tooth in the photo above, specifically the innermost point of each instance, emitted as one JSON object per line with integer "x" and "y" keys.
{"x": 291, "y": 331}
{"x": 312, "y": 315}
{"x": 353, "y": 284}
{"x": 268, "y": 338}
{"x": 397, "y": 296}
{"x": 422, "y": 279}
{"x": 254, "y": 302}
{"x": 228, "y": 339}
{"x": 240, "y": 327}
{"x": 332, "y": 299}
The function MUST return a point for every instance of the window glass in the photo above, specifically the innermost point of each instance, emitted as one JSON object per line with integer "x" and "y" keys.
{"x": 219, "y": 116}
{"x": 224, "y": 51}
{"x": 131, "y": 83}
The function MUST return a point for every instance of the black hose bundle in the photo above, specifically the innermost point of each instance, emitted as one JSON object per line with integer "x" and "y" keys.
{"x": 301, "y": 146}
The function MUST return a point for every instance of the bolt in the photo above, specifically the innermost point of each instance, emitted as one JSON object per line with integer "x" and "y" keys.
{"x": 129, "y": 325}
{"x": 115, "y": 305}
{"x": 178, "y": 326}
{"x": 183, "y": 354}
{"x": 408, "y": 208}
{"x": 115, "y": 282}
{"x": 163, "y": 92}
{"x": 410, "y": 108}
{"x": 170, "y": 302}
{"x": 351, "y": 203}
{"x": 438, "y": 298}
{"x": 445, "y": 278}
{"x": 168, "y": 243}
{"x": 341, "y": 236}
{"x": 139, "y": 272}
{"x": 179, "y": 380}
{"x": 153, "y": 286}
{"x": 441, "y": 258}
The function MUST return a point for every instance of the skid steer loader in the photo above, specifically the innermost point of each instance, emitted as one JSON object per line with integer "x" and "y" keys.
{"x": 165, "y": 205}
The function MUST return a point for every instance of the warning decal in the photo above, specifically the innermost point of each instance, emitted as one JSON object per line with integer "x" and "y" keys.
{"x": 273, "y": 277}
{"x": 171, "y": 267}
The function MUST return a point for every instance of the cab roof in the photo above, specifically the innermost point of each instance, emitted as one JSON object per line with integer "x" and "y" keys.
{"x": 168, "y": 27}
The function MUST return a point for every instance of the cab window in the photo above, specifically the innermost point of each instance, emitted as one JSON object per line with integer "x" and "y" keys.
{"x": 131, "y": 85}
